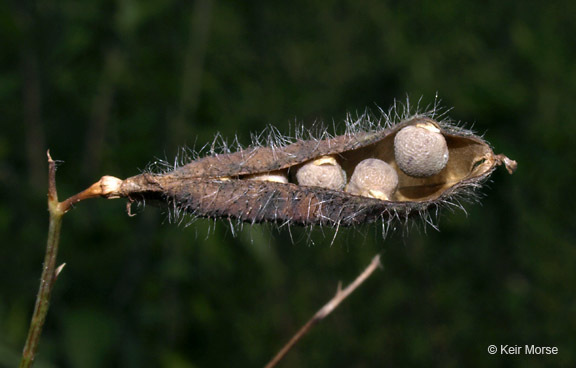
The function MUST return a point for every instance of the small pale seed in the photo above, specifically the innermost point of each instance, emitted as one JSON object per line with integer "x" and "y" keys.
{"x": 323, "y": 172}
{"x": 420, "y": 150}
{"x": 373, "y": 178}
{"x": 274, "y": 176}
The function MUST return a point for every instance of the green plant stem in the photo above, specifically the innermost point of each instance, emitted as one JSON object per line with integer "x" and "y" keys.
{"x": 48, "y": 273}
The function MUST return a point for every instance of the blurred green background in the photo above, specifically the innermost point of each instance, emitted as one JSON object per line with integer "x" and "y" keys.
{"x": 109, "y": 86}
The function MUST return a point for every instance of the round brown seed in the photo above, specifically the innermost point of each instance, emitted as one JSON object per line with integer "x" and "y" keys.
{"x": 323, "y": 172}
{"x": 420, "y": 150}
{"x": 373, "y": 178}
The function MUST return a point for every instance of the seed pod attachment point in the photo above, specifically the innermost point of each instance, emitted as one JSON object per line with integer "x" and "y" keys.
{"x": 420, "y": 150}
{"x": 109, "y": 186}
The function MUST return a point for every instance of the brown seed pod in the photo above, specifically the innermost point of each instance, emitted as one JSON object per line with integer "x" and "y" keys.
{"x": 198, "y": 187}
{"x": 373, "y": 178}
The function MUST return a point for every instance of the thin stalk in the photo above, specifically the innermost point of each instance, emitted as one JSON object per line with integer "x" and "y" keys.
{"x": 48, "y": 273}
{"x": 45, "y": 291}
{"x": 341, "y": 294}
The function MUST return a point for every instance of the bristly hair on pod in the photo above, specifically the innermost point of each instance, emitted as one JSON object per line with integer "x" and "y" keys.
{"x": 259, "y": 183}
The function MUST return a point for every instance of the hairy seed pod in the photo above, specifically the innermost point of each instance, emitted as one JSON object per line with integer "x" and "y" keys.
{"x": 420, "y": 150}
{"x": 198, "y": 188}
{"x": 324, "y": 172}
{"x": 373, "y": 178}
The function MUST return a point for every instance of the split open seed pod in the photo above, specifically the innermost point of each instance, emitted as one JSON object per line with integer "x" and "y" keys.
{"x": 199, "y": 188}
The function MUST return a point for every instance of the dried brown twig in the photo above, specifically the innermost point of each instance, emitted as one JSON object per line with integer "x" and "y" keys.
{"x": 326, "y": 309}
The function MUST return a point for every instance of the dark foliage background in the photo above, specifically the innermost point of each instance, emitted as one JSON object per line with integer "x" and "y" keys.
{"x": 110, "y": 85}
